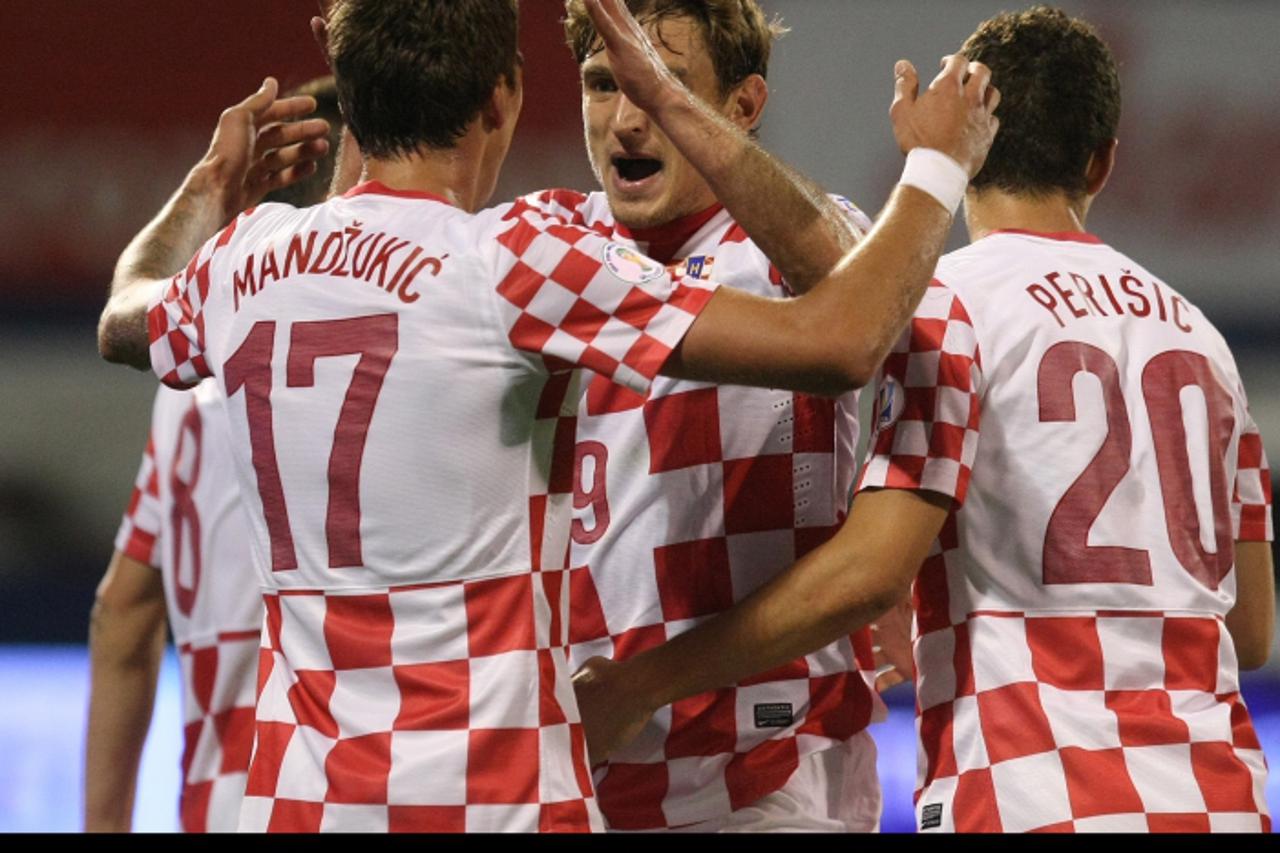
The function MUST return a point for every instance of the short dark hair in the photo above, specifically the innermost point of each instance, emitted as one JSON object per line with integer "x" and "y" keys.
{"x": 1060, "y": 99}
{"x": 412, "y": 74}
{"x": 314, "y": 188}
{"x": 738, "y": 35}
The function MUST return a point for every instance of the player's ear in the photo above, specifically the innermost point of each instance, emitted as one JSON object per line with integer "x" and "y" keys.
{"x": 746, "y": 102}
{"x": 1101, "y": 164}
{"x": 504, "y": 104}
{"x": 320, "y": 31}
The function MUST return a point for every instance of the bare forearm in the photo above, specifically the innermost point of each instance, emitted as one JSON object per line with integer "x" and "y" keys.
{"x": 871, "y": 296}
{"x": 191, "y": 216}
{"x": 126, "y": 642}
{"x": 125, "y": 669}
{"x": 837, "y": 588}
{"x": 831, "y": 339}
{"x": 790, "y": 617}
{"x": 1252, "y": 620}
{"x": 793, "y": 220}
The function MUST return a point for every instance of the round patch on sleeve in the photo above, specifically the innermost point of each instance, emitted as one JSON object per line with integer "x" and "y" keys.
{"x": 631, "y": 266}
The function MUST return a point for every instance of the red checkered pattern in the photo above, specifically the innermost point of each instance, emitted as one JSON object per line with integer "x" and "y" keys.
{"x": 1251, "y": 500}
{"x": 218, "y": 702}
{"x": 137, "y": 535}
{"x": 175, "y": 318}
{"x": 214, "y": 611}
{"x": 436, "y": 708}
{"x": 686, "y": 501}
{"x": 566, "y": 303}
{"x": 480, "y": 346}
{"x": 927, "y": 406}
{"x": 1026, "y": 722}
{"x": 1098, "y": 693}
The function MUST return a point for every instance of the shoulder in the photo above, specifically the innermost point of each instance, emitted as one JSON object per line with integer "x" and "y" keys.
{"x": 589, "y": 210}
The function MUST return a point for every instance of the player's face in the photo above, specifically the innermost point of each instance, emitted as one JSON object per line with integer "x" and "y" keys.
{"x": 646, "y": 179}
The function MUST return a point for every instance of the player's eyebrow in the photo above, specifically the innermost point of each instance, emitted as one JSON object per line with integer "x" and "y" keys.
{"x": 596, "y": 74}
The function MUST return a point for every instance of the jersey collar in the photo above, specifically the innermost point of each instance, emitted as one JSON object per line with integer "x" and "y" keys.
{"x": 1061, "y": 236}
{"x": 379, "y": 188}
{"x": 663, "y": 242}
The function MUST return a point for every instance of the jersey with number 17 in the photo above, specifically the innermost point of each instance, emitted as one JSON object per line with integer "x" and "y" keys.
{"x": 1092, "y": 430}
{"x": 400, "y": 377}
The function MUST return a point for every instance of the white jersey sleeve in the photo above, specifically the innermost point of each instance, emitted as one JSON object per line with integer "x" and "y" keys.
{"x": 1251, "y": 499}
{"x": 138, "y": 536}
{"x": 927, "y": 411}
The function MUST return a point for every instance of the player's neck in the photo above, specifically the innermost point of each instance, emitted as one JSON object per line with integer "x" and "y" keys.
{"x": 462, "y": 175}
{"x": 989, "y": 210}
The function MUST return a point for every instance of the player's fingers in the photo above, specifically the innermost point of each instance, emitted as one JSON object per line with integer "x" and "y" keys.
{"x": 992, "y": 98}
{"x": 906, "y": 85}
{"x": 263, "y": 98}
{"x": 285, "y": 158}
{"x": 289, "y": 133}
{"x": 975, "y": 86}
{"x": 952, "y": 73}
{"x": 287, "y": 109}
{"x": 286, "y": 177}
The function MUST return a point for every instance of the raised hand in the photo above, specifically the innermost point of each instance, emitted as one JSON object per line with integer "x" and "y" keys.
{"x": 955, "y": 115}
{"x": 259, "y": 146}
{"x": 637, "y": 68}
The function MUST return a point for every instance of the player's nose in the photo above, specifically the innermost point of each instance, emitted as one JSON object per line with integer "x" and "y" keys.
{"x": 628, "y": 119}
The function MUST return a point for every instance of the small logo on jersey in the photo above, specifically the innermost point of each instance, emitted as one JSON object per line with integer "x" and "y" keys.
{"x": 774, "y": 715}
{"x": 888, "y": 403}
{"x": 698, "y": 267}
{"x": 631, "y": 266}
{"x": 931, "y": 816}
{"x": 846, "y": 205}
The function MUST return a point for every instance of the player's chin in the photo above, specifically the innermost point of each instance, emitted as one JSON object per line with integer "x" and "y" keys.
{"x": 635, "y": 210}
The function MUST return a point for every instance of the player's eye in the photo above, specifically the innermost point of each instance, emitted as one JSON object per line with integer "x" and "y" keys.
{"x": 599, "y": 84}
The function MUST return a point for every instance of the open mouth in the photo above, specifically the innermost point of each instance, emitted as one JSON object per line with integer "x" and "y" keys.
{"x": 636, "y": 169}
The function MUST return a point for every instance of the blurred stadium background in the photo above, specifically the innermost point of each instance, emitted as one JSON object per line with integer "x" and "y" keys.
{"x": 108, "y": 104}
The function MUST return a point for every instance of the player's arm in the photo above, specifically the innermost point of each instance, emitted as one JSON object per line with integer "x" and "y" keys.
{"x": 1252, "y": 621}
{"x": 126, "y": 642}
{"x": 833, "y": 338}
{"x": 865, "y": 569}
{"x": 256, "y": 148}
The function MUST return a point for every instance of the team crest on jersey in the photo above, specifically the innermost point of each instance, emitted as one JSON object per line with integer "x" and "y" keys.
{"x": 699, "y": 267}
{"x": 631, "y": 266}
{"x": 888, "y": 403}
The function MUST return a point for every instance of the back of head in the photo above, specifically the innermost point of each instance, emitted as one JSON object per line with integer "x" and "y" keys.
{"x": 738, "y": 36}
{"x": 1060, "y": 100}
{"x": 315, "y": 188}
{"x": 413, "y": 74}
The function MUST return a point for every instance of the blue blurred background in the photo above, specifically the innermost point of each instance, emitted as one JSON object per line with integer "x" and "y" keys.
{"x": 108, "y": 105}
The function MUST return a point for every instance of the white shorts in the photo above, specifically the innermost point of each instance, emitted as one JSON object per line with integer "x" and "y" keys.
{"x": 836, "y": 790}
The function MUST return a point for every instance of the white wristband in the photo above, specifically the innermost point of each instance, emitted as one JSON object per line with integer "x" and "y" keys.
{"x": 937, "y": 174}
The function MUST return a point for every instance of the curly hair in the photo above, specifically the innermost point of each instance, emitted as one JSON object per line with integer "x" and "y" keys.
{"x": 1060, "y": 99}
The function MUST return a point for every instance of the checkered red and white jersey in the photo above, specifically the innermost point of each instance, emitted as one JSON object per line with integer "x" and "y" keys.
{"x": 396, "y": 371}
{"x": 685, "y": 501}
{"x": 1073, "y": 668}
{"x": 186, "y": 519}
